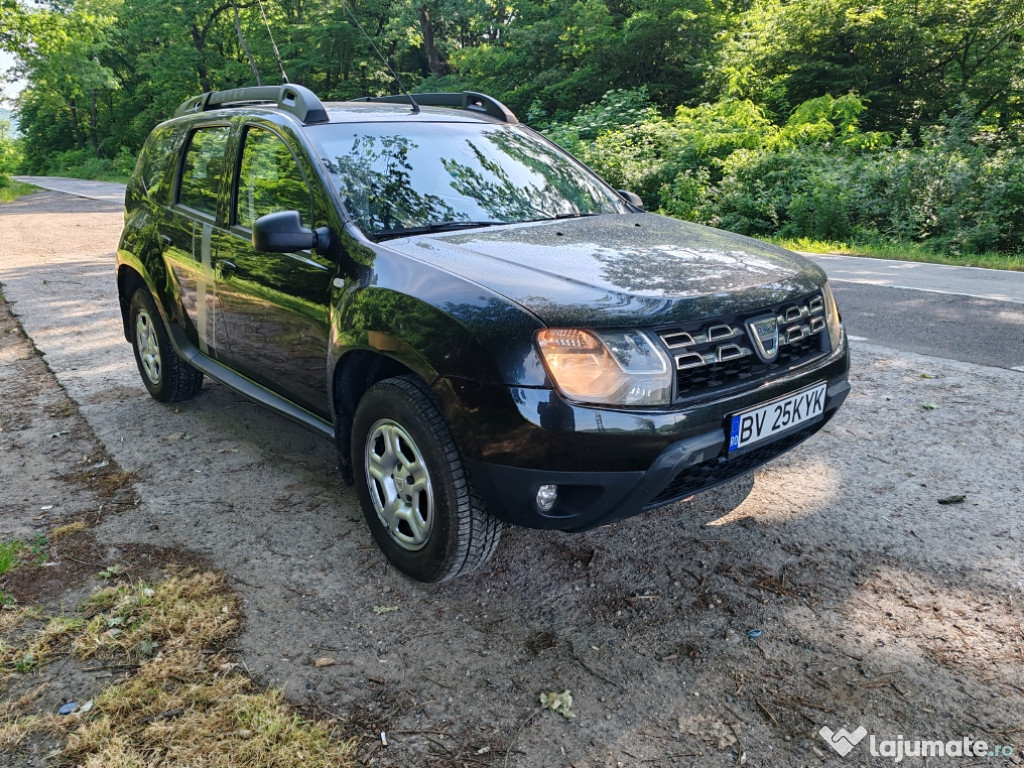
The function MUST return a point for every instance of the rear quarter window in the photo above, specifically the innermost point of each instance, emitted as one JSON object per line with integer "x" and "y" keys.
{"x": 154, "y": 170}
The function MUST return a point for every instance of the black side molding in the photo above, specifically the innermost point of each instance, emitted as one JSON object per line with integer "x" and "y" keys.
{"x": 188, "y": 352}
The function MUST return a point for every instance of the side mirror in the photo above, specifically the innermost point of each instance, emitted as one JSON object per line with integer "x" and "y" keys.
{"x": 282, "y": 232}
{"x": 632, "y": 198}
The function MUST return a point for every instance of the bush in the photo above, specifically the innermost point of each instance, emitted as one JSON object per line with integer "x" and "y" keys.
{"x": 959, "y": 188}
{"x": 616, "y": 109}
{"x": 83, "y": 164}
{"x": 10, "y": 149}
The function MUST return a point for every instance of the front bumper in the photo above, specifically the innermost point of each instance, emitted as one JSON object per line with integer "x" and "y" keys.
{"x": 612, "y": 464}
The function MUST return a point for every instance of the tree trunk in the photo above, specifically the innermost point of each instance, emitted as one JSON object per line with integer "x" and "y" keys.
{"x": 392, "y": 47}
{"x": 199, "y": 43}
{"x": 79, "y": 139}
{"x": 92, "y": 127}
{"x": 437, "y": 65}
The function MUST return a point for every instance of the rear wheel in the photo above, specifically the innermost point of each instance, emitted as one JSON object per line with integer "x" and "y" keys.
{"x": 167, "y": 377}
{"x": 422, "y": 509}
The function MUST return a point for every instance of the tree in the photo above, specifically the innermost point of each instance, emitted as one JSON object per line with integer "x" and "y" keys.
{"x": 912, "y": 61}
{"x": 60, "y": 56}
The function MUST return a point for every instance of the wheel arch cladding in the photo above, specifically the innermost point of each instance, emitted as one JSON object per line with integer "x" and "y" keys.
{"x": 128, "y": 281}
{"x": 355, "y": 372}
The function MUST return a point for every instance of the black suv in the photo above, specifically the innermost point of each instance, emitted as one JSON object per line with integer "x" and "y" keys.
{"x": 487, "y": 330}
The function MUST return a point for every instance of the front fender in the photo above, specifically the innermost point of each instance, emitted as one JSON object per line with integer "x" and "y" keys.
{"x": 456, "y": 339}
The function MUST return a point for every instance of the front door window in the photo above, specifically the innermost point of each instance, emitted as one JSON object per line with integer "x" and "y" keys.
{"x": 269, "y": 180}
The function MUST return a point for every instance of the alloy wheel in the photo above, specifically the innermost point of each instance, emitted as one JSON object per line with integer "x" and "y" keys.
{"x": 399, "y": 484}
{"x": 148, "y": 346}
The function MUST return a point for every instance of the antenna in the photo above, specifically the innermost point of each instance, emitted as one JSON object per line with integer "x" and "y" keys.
{"x": 415, "y": 106}
{"x": 277, "y": 53}
{"x": 241, "y": 40}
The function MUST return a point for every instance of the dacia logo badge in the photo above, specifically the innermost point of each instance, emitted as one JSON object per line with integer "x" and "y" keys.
{"x": 765, "y": 333}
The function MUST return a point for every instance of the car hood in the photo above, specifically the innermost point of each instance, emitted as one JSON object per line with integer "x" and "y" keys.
{"x": 607, "y": 270}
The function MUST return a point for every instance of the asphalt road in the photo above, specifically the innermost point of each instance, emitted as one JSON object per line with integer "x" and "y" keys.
{"x": 107, "y": 191}
{"x": 958, "y": 313}
{"x": 950, "y": 326}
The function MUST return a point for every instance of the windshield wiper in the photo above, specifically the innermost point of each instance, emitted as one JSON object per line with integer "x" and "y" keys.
{"x": 558, "y": 216}
{"x": 438, "y": 226}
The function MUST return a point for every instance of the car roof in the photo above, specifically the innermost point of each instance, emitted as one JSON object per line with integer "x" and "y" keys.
{"x": 366, "y": 112}
{"x": 304, "y": 105}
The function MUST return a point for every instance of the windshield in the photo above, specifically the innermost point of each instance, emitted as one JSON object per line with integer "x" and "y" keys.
{"x": 417, "y": 176}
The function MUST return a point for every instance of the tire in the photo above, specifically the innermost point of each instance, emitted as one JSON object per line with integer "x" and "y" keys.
{"x": 168, "y": 378}
{"x": 422, "y": 509}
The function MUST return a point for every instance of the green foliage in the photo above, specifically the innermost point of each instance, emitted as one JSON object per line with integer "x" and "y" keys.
{"x": 12, "y": 190}
{"x": 911, "y": 61}
{"x": 818, "y": 176}
{"x": 9, "y": 554}
{"x": 554, "y": 56}
{"x": 616, "y": 109}
{"x": 10, "y": 150}
{"x": 962, "y": 191}
{"x": 719, "y": 111}
{"x": 80, "y": 164}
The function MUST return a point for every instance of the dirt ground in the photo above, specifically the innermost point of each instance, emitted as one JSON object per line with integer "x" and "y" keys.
{"x": 878, "y": 605}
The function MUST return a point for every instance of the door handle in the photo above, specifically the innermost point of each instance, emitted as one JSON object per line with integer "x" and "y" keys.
{"x": 225, "y": 269}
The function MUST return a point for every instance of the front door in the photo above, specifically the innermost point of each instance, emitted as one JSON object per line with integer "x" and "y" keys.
{"x": 274, "y": 306}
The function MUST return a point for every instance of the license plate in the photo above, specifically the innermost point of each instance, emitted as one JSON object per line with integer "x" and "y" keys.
{"x": 766, "y": 421}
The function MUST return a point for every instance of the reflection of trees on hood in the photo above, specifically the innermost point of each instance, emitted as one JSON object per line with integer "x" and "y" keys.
{"x": 377, "y": 184}
{"x": 671, "y": 270}
{"x": 563, "y": 189}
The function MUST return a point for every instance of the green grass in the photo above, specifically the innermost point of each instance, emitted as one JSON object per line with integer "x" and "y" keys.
{"x": 40, "y": 549}
{"x": 904, "y": 252}
{"x": 12, "y": 190}
{"x": 9, "y": 552}
{"x": 206, "y": 714}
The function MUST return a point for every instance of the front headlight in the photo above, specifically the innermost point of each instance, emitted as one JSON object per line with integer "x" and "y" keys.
{"x": 835, "y": 324}
{"x": 607, "y": 367}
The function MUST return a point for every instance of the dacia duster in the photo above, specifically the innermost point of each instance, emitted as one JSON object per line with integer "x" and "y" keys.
{"x": 488, "y": 331}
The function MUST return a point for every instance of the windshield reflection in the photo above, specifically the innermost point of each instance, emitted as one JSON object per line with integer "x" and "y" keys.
{"x": 436, "y": 174}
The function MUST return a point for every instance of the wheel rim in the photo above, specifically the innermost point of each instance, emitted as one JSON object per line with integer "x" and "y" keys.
{"x": 148, "y": 346}
{"x": 399, "y": 483}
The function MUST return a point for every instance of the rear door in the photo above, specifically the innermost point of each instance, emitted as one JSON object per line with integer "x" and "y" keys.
{"x": 189, "y": 241}
{"x": 274, "y": 306}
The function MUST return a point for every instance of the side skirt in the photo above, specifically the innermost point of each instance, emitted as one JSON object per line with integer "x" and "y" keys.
{"x": 191, "y": 354}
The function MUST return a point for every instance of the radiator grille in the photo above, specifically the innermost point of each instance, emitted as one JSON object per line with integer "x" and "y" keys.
{"x": 714, "y": 356}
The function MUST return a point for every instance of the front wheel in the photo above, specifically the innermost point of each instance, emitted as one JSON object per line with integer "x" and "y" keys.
{"x": 421, "y": 508}
{"x": 167, "y": 377}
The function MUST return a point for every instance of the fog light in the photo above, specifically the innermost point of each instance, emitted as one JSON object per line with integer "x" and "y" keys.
{"x": 547, "y": 497}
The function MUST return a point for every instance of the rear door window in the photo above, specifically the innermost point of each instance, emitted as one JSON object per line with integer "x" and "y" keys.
{"x": 202, "y": 173}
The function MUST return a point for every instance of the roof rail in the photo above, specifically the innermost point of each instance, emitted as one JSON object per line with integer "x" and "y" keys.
{"x": 477, "y": 102}
{"x": 297, "y": 100}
